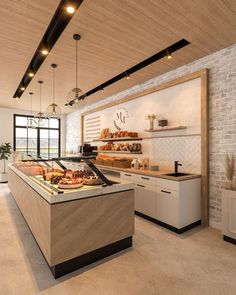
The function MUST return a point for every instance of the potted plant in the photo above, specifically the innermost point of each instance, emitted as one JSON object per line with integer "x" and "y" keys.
{"x": 229, "y": 202}
{"x": 5, "y": 152}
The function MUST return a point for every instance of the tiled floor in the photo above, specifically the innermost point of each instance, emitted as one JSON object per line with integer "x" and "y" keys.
{"x": 161, "y": 262}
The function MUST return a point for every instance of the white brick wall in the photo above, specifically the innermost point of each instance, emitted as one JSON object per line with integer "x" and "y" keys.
{"x": 222, "y": 115}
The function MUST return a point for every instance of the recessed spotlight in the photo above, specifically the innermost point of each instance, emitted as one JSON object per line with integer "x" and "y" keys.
{"x": 127, "y": 76}
{"x": 169, "y": 56}
{"x": 17, "y": 98}
{"x": 22, "y": 88}
{"x": 31, "y": 74}
{"x": 44, "y": 52}
{"x": 70, "y": 9}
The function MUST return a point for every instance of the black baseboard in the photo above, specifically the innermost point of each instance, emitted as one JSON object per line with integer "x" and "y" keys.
{"x": 170, "y": 227}
{"x": 230, "y": 240}
{"x": 91, "y": 257}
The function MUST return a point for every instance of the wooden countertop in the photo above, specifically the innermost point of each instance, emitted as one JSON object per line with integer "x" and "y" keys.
{"x": 158, "y": 174}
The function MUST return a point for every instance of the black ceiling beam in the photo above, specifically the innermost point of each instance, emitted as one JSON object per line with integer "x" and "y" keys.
{"x": 60, "y": 20}
{"x": 169, "y": 50}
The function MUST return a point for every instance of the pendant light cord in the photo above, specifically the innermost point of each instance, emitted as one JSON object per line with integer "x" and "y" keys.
{"x": 76, "y": 63}
{"x": 31, "y": 112}
{"x": 40, "y": 97}
{"x": 53, "y": 87}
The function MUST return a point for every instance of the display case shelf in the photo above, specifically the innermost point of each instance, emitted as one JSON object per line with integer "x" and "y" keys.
{"x": 118, "y": 152}
{"x": 167, "y": 128}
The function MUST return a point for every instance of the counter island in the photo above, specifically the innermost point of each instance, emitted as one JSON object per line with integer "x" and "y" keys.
{"x": 76, "y": 226}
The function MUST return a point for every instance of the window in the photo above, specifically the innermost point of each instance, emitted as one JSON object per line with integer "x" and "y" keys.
{"x": 39, "y": 142}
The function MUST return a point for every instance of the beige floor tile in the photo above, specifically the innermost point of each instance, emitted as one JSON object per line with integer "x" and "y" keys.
{"x": 198, "y": 262}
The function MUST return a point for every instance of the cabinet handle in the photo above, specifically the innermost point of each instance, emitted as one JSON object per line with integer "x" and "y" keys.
{"x": 165, "y": 192}
{"x": 128, "y": 174}
{"x": 146, "y": 178}
{"x": 140, "y": 185}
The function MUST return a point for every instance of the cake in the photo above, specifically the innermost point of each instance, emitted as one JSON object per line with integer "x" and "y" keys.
{"x": 92, "y": 180}
{"x": 66, "y": 183}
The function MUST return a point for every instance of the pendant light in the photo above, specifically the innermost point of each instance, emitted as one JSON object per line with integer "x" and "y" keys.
{"x": 30, "y": 120}
{"x": 53, "y": 110}
{"x": 39, "y": 117}
{"x": 76, "y": 92}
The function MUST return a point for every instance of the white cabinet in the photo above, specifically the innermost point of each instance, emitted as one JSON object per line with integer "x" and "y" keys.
{"x": 145, "y": 199}
{"x": 179, "y": 202}
{"x": 229, "y": 215}
{"x": 167, "y": 206}
{"x": 174, "y": 203}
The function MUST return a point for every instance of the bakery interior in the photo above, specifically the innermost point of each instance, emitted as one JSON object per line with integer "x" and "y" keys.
{"x": 117, "y": 147}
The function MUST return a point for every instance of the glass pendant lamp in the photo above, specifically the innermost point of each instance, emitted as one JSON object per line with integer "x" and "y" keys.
{"x": 53, "y": 110}
{"x": 31, "y": 123}
{"x": 40, "y": 117}
{"x": 74, "y": 96}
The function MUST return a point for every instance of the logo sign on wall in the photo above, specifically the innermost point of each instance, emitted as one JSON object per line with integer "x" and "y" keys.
{"x": 120, "y": 120}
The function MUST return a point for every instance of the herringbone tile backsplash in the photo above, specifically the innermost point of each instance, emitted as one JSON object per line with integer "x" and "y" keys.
{"x": 164, "y": 151}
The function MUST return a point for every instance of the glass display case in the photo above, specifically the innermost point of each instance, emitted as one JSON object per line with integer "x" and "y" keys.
{"x": 63, "y": 175}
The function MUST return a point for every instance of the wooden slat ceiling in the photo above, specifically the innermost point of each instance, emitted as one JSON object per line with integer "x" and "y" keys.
{"x": 115, "y": 36}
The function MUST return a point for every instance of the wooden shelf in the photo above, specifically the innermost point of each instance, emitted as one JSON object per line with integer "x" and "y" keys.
{"x": 117, "y": 152}
{"x": 117, "y": 139}
{"x": 167, "y": 128}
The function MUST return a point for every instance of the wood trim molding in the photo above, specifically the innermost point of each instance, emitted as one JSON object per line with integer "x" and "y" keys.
{"x": 203, "y": 75}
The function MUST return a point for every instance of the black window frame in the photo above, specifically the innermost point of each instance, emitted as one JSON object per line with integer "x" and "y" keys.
{"x": 38, "y": 133}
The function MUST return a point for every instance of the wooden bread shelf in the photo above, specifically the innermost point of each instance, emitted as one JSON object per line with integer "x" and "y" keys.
{"x": 167, "y": 128}
{"x": 117, "y": 152}
{"x": 117, "y": 139}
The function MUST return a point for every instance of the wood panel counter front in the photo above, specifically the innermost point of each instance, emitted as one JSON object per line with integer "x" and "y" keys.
{"x": 75, "y": 233}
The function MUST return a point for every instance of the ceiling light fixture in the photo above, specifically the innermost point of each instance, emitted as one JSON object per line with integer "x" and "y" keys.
{"x": 70, "y": 9}
{"x": 57, "y": 25}
{"x": 150, "y": 60}
{"x": 31, "y": 123}
{"x": 31, "y": 75}
{"x": 127, "y": 76}
{"x": 22, "y": 88}
{"x": 168, "y": 55}
{"x": 44, "y": 52}
{"x": 102, "y": 90}
{"x": 53, "y": 110}
{"x": 39, "y": 117}
{"x": 76, "y": 92}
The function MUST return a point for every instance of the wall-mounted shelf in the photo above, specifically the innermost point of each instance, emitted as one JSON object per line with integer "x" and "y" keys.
{"x": 167, "y": 128}
{"x": 117, "y": 139}
{"x": 118, "y": 152}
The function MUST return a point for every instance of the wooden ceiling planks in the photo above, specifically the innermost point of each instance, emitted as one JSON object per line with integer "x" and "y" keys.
{"x": 115, "y": 36}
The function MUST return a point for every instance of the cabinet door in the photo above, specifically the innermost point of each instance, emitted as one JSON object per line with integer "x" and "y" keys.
{"x": 145, "y": 199}
{"x": 168, "y": 206}
{"x": 128, "y": 176}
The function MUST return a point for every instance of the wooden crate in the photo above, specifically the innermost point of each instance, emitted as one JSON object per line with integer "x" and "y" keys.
{"x": 122, "y": 164}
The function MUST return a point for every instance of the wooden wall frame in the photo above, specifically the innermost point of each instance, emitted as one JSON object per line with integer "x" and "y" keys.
{"x": 203, "y": 75}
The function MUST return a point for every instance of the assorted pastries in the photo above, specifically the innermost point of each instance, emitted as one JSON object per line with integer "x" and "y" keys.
{"x": 130, "y": 147}
{"x": 64, "y": 179}
{"x": 105, "y": 133}
{"x": 74, "y": 179}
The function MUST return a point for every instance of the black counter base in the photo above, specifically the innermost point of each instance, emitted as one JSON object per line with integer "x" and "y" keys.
{"x": 229, "y": 239}
{"x": 170, "y": 227}
{"x": 91, "y": 257}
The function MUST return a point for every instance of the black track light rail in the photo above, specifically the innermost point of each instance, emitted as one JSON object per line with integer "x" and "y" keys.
{"x": 165, "y": 52}
{"x": 54, "y": 30}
